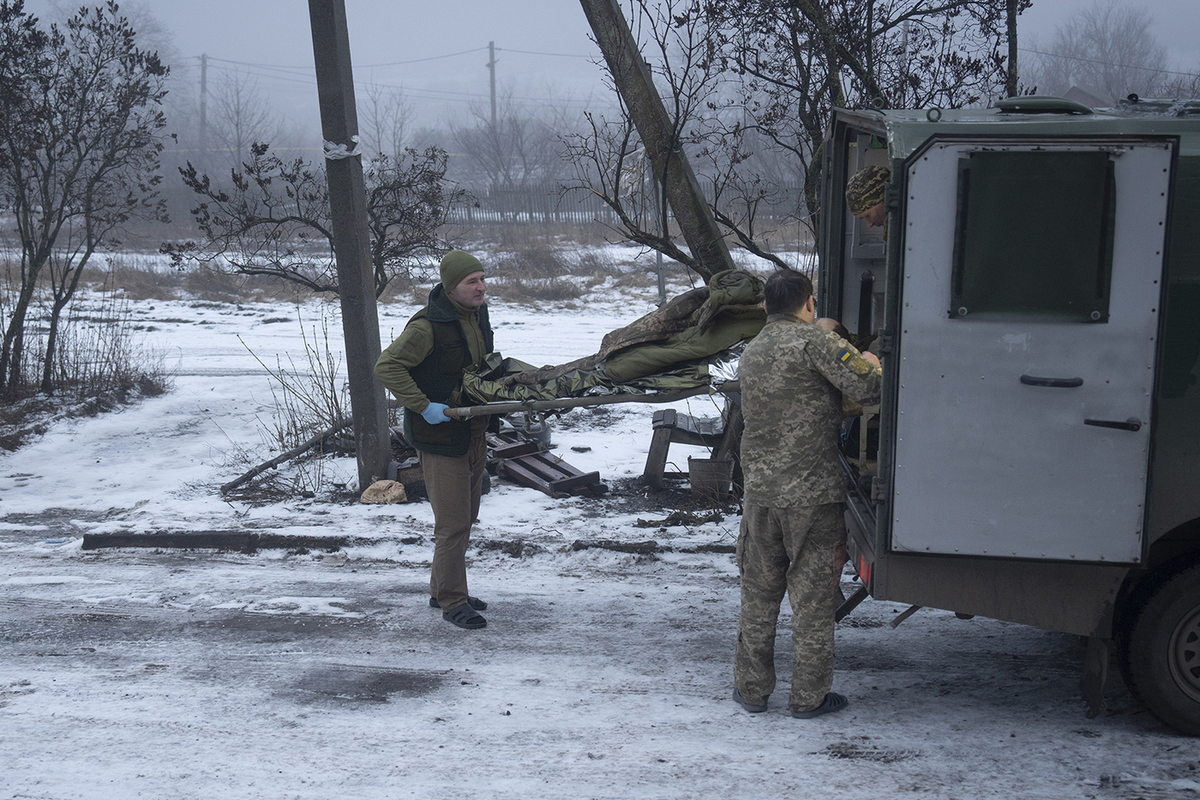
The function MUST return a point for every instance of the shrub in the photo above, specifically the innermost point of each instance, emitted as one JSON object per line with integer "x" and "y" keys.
{"x": 98, "y": 366}
{"x": 538, "y": 290}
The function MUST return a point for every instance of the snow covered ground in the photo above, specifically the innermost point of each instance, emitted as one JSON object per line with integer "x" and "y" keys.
{"x": 601, "y": 674}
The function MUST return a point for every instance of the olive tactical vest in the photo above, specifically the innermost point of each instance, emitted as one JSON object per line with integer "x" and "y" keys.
{"x": 439, "y": 376}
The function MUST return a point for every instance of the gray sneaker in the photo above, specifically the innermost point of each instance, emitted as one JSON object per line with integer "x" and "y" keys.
{"x": 753, "y": 708}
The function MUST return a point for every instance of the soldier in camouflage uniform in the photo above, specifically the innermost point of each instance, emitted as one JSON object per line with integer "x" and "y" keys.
{"x": 792, "y": 377}
{"x": 864, "y": 195}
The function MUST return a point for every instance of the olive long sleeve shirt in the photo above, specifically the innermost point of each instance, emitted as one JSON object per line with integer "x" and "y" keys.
{"x": 415, "y": 344}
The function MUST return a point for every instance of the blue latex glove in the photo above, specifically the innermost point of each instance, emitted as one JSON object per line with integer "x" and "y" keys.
{"x": 435, "y": 413}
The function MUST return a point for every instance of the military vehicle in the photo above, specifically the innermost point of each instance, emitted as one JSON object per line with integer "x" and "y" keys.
{"x": 1035, "y": 294}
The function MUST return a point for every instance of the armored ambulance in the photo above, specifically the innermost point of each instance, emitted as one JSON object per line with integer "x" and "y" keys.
{"x": 1035, "y": 298}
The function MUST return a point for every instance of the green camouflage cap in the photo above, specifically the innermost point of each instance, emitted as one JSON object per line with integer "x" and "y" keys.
{"x": 865, "y": 189}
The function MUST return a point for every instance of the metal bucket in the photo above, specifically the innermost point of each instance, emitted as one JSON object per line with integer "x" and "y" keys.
{"x": 531, "y": 430}
{"x": 711, "y": 479}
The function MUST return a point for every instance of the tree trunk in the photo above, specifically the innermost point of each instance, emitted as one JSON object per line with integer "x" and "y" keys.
{"x": 51, "y": 347}
{"x": 1011, "y": 86}
{"x": 14, "y": 336}
{"x": 631, "y": 75}
{"x": 62, "y": 298}
{"x": 10, "y": 360}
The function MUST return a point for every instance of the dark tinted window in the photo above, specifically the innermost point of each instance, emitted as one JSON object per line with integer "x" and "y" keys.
{"x": 1033, "y": 238}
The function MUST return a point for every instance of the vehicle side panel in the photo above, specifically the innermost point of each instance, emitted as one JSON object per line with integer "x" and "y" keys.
{"x": 1175, "y": 484}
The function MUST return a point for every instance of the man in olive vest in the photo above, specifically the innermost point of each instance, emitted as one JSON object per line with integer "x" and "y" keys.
{"x": 424, "y": 369}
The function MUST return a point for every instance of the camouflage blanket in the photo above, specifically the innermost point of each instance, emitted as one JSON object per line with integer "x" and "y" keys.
{"x": 684, "y": 332}
{"x": 485, "y": 383}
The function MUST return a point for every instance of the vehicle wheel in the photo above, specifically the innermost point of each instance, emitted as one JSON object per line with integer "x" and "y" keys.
{"x": 1162, "y": 656}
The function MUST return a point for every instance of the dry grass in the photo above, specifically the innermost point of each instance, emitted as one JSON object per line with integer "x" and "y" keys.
{"x": 98, "y": 358}
{"x": 537, "y": 290}
{"x": 141, "y": 277}
{"x": 98, "y": 366}
{"x": 310, "y": 400}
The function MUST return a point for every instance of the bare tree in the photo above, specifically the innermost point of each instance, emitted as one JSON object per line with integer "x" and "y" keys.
{"x": 610, "y": 163}
{"x": 81, "y": 149}
{"x": 387, "y": 117}
{"x": 796, "y": 61}
{"x": 275, "y": 220}
{"x": 750, "y": 85}
{"x": 1182, "y": 85}
{"x": 239, "y": 116}
{"x": 521, "y": 148}
{"x": 1108, "y": 49}
{"x": 639, "y": 179}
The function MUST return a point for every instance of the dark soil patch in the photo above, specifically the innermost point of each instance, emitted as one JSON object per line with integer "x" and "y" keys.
{"x": 633, "y": 495}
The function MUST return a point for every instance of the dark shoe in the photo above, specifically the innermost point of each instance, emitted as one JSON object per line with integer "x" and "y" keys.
{"x": 832, "y": 702}
{"x": 464, "y": 616}
{"x": 753, "y": 708}
{"x": 474, "y": 602}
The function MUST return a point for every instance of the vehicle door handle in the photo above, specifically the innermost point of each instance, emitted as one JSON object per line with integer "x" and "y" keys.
{"x": 1131, "y": 424}
{"x": 1053, "y": 383}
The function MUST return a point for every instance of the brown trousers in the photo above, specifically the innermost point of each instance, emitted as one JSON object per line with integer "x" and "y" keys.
{"x": 454, "y": 484}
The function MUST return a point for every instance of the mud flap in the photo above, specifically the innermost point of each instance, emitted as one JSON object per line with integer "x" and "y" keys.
{"x": 1095, "y": 674}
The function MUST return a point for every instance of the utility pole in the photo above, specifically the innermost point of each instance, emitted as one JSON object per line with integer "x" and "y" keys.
{"x": 491, "y": 65}
{"x": 633, "y": 80}
{"x": 203, "y": 157}
{"x": 351, "y": 236}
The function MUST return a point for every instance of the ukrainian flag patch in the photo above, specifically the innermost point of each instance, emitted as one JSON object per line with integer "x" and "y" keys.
{"x": 852, "y": 361}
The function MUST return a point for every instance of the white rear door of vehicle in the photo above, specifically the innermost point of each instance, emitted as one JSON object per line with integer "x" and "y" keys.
{"x": 1020, "y": 434}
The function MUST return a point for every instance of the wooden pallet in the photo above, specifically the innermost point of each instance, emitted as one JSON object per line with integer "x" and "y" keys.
{"x": 528, "y": 464}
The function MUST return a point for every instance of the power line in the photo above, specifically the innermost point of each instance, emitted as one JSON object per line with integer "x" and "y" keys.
{"x": 421, "y": 60}
{"x": 407, "y": 61}
{"x": 1106, "y": 63}
{"x": 536, "y": 53}
{"x": 308, "y": 79}
{"x": 283, "y": 67}
{"x": 426, "y": 93}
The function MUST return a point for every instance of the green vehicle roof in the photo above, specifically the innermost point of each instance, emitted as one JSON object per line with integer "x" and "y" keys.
{"x": 909, "y": 129}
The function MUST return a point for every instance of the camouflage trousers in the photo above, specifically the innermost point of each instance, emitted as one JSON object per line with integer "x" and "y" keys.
{"x": 793, "y": 550}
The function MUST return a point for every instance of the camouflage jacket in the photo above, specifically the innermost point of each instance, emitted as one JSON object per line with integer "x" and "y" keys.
{"x": 792, "y": 377}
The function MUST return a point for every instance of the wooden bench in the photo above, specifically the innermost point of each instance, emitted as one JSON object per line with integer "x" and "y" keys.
{"x": 671, "y": 426}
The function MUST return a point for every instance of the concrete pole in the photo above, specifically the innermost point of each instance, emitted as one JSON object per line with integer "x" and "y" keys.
{"x": 633, "y": 80}
{"x": 202, "y": 159}
{"x": 491, "y": 65}
{"x": 351, "y": 236}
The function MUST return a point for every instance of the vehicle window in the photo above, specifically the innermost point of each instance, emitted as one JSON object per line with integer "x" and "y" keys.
{"x": 1033, "y": 238}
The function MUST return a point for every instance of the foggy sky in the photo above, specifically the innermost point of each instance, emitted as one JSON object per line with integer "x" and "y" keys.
{"x": 544, "y": 55}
